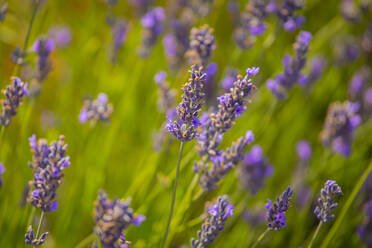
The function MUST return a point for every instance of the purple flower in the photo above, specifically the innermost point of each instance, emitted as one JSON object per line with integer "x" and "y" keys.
{"x": 254, "y": 170}
{"x": 160, "y": 77}
{"x": 339, "y": 126}
{"x": 48, "y": 163}
{"x": 112, "y": 217}
{"x": 202, "y": 44}
{"x": 96, "y": 110}
{"x": 13, "y": 99}
{"x": 2, "y": 170}
{"x": 137, "y": 220}
{"x": 214, "y": 223}
{"x": 292, "y": 68}
{"x": 61, "y": 35}
{"x": 184, "y": 129}
{"x": 276, "y": 210}
{"x": 303, "y": 150}
{"x": 358, "y": 83}
{"x": 326, "y": 202}
{"x": 119, "y": 31}
{"x": 286, "y": 14}
{"x": 31, "y": 239}
{"x": 316, "y": 70}
{"x": 228, "y": 80}
{"x": 43, "y": 48}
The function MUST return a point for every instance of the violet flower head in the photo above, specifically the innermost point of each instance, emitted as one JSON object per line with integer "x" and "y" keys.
{"x": 228, "y": 80}
{"x": 2, "y": 170}
{"x": 13, "y": 99}
{"x": 31, "y": 239}
{"x": 119, "y": 31}
{"x": 166, "y": 99}
{"x": 3, "y": 11}
{"x": 364, "y": 231}
{"x": 48, "y": 164}
{"x": 338, "y": 130}
{"x": 254, "y": 170}
{"x": 96, "y": 110}
{"x": 358, "y": 82}
{"x": 61, "y": 35}
{"x": 317, "y": 66}
{"x": 292, "y": 68}
{"x": 153, "y": 27}
{"x": 112, "y": 218}
{"x": 346, "y": 50}
{"x": 254, "y": 16}
{"x": 286, "y": 14}
{"x": 218, "y": 213}
{"x": 43, "y": 48}
{"x": 326, "y": 202}
{"x": 276, "y": 211}
{"x": 202, "y": 44}
{"x": 303, "y": 150}
{"x": 184, "y": 128}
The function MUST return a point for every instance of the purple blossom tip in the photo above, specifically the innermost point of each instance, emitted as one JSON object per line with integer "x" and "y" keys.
{"x": 303, "y": 149}
{"x": 160, "y": 77}
{"x": 253, "y": 71}
{"x": 137, "y": 220}
{"x": 2, "y": 169}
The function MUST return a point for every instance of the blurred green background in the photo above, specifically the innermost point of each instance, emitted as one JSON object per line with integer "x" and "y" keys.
{"x": 118, "y": 156}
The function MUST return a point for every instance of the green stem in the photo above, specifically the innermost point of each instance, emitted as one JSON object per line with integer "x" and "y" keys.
{"x": 315, "y": 234}
{"x": 86, "y": 241}
{"x": 31, "y": 217}
{"x": 1, "y": 132}
{"x": 348, "y": 203}
{"x": 174, "y": 194}
{"x": 39, "y": 226}
{"x": 260, "y": 237}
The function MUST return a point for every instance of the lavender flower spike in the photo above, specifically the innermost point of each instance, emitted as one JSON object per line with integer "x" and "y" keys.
{"x": 13, "y": 94}
{"x": 112, "y": 217}
{"x": 326, "y": 202}
{"x": 184, "y": 129}
{"x": 48, "y": 163}
{"x": 43, "y": 48}
{"x": 276, "y": 210}
{"x": 292, "y": 68}
{"x": 303, "y": 150}
{"x": 96, "y": 110}
{"x": 31, "y": 239}
{"x": 214, "y": 223}
{"x": 166, "y": 94}
{"x": 339, "y": 126}
{"x": 2, "y": 170}
{"x": 286, "y": 13}
{"x": 201, "y": 45}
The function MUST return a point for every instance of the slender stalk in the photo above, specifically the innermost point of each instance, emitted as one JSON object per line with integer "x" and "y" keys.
{"x": 174, "y": 194}
{"x": 88, "y": 239}
{"x": 31, "y": 217}
{"x": 315, "y": 234}
{"x": 347, "y": 205}
{"x": 1, "y": 132}
{"x": 260, "y": 237}
{"x": 39, "y": 226}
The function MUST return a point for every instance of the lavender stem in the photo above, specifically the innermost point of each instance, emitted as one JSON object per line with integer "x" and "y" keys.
{"x": 174, "y": 194}
{"x": 38, "y": 227}
{"x": 315, "y": 234}
{"x": 260, "y": 237}
{"x": 88, "y": 239}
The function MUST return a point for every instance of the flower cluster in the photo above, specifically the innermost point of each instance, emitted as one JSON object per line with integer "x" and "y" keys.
{"x": 184, "y": 129}
{"x": 365, "y": 230}
{"x": 96, "y": 110}
{"x": 13, "y": 94}
{"x": 254, "y": 170}
{"x": 214, "y": 223}
{"x": 303, "y": 150}
{"x": 3, "y": 11}
{"x": 326, "y": 202}
{"x": 201, "y": 45}
{"x": 358, "y": 83}
{"x": 276, "y": 211}
{"x": 48, "y": 163}
{"x": 166, "y": 94}
{"x": 2, "y": 170}
{"x": 339, "y": 126}
{"x": 286, "y": 14}
{"x": 292, "y": 68}
{"x": 153, "y": 24}
{"x": 228, "y": 80}
{"x": 43, "y": 48}
{"x": 119, "y": 31}
{"x": 112, "y": 217}
{"x": 61, "y": 35}
{"x": 317, "y": 65}
{"x": 31, "y": 239}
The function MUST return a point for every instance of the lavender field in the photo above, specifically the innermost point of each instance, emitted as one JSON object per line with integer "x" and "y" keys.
{"x": 185, "y": 123}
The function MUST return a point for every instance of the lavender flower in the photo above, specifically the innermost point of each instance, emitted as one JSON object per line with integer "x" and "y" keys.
{"x": 326, "y": 202}
{"x": 48, "y": 163}
{"x": 316, "y": 70}
{"x": 119, "y": 34}
{"x": 254, "y": 170}
{"x": 253, "y": 17}
{"x": 292, "y": 68}
{"x": 303, "y": 150}
{"x": 358, "y": 83}
{"x": 112, "y": 217}
{"x": 346, "y": 50}
{"x": 166, "y": 95}
{"x": 30, "y": 238}
{"x": 201, "y": 45}
{"x": 153, "y": 26}
{"x": 364, "y": 231}
{"x": 96, "y": 110}
{"x": 339, "y": 126}
{"x": 276, "y": 210}
{"x": 43, "y": 48}
{"x": 286, "y": 14}
{"x": 214, "y": 223}
{"x": 350, "y": 11}
{"x": 13, "y": 99}
{"x": 3, "y": 11}
{"x": 201, "y": 7}
{"x": 184, "y": 129}
{"x": 228, "y": 80}
{"x": 2, "y": 170}
{"x": 61, "y": 35}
